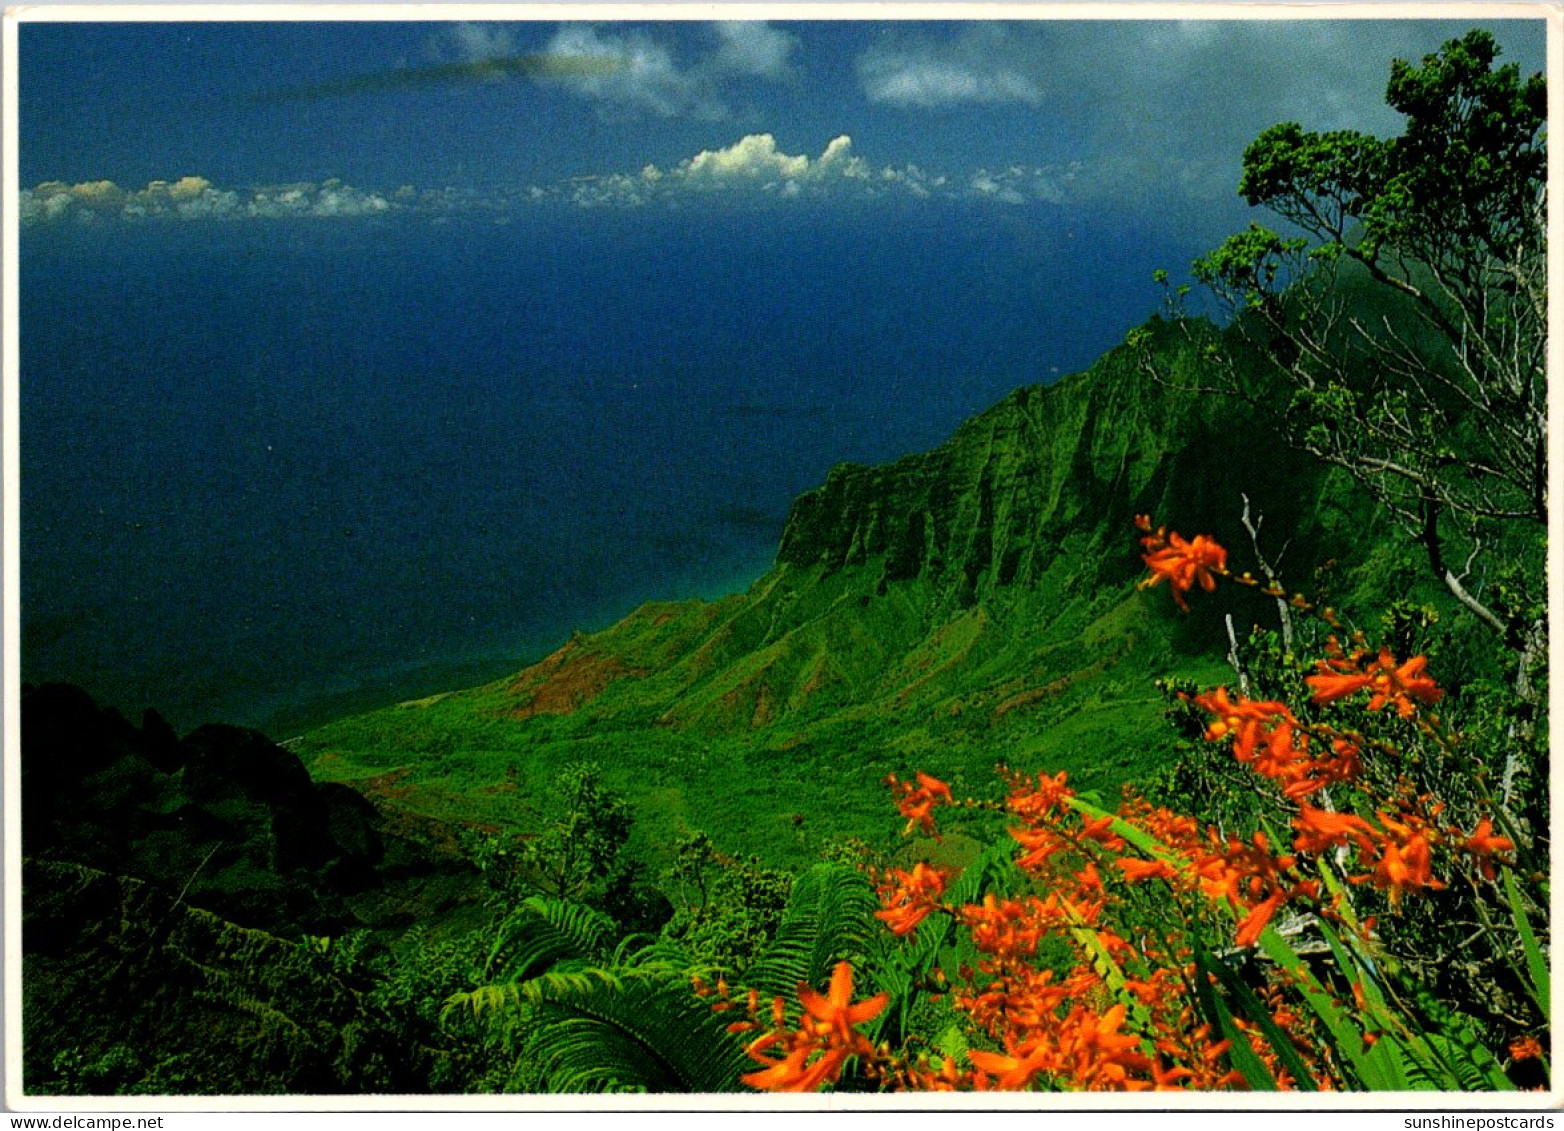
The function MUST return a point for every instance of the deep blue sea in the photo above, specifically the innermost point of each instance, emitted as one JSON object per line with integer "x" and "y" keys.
{"x": 276, "y": 470}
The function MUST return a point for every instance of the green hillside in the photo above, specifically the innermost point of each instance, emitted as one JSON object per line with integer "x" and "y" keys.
{"x": 957, "y": 608}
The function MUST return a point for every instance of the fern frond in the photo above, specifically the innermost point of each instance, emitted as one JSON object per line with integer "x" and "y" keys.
{"x": 640, "y": 1030}
{"x": 544, "y": 931}
{"x": 829, "y": 918}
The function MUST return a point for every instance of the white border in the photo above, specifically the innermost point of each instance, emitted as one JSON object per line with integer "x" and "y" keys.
{"x": 1068, "y": 1108}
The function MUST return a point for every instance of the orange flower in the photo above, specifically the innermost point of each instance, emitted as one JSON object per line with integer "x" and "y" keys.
{"x": 1344, "y": 763}
{"x": 1526, "y": 1048}
{"x": 1101, "y": 831}
{"x": 1252, "y": 924}
{"x": 1320, "y": 830}
{"x": 827, "y": 1030}
{"x": 1138, "y": 871}
{"x": 1184, "y": 564}
{"x": 1040, "y": 846}
{"x": 1330, "y": 685}
{"x": 934, "y": 787}
{"x": 1037, "y": 803}
{"x": 1404, "y": 685}
{"x": 1100, "y": 1055}
{"x": 1014, "y": 1072}
{"x": 1003, "y": 928}
{"x": 1247, "y": 721}
{"x": 1405, "y": 867}
{"x": 835, "y": 1012}
{"x": 792, "y": 1072}
{"x": 1168, "y": 1079}
{"x": 917, "y": 802}
{"x": 1485, "y": 846}
{"x": 1401, "y": 685}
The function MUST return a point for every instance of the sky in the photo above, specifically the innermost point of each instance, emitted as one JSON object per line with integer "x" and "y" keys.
{"x": 342, "y": 118}
{"x": 364, "y": 360}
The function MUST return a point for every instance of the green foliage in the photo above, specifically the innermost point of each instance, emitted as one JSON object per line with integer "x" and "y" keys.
{"x": 1251, "y": 265}
{"x": 581, "y": 840}
{"x": 579, "y": 1011}
{"x": 828, "y": 919}
{"x": 543, "y": 932}
{"x": 975, "y": 604}
{"x": 1409, "y": 317}
{"x": 912, "y": 971}
{"x": 962, "y": 632}
{"x": 730, "y": 909}
{"x": 636, "y": 1028}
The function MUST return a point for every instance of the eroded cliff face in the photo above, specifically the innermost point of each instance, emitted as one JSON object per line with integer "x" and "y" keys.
{"x": 1048, "y": 470}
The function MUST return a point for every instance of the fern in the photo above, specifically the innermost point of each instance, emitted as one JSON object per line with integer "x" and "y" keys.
{"x": 584, "y": 1012}
{"x": 642, "y": 1030}
{"x": 542, "y": 932}
{"x": 829, "y": 918}
{"x": 637, "y": 1027}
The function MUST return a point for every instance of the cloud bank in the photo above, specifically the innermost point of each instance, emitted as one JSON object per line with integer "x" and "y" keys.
{"x": 753, "y": 170}
{"x": 978, "y": 66}
{"x": 756, "y": 168}
{"x": 193, "y": 198}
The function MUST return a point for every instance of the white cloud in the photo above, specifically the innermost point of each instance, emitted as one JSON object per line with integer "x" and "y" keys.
{"x": 1160, "y": 110}
{"x": 753, "y": 170}
{"x": 747, "y": 47}
{"x": 468, "y": 42}
{"x": 193, "y": 198}
{"x": 754, "y": 157}
{"x": 978, "y": 66}
{"x": 756, "y": 168}
{"x": 646, "y": 78}
{"x": 754, "y": 163}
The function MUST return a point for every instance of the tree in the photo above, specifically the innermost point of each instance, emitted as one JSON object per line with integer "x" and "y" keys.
{"x": 583, "y": 837}
{"x": 1410, "y": 316}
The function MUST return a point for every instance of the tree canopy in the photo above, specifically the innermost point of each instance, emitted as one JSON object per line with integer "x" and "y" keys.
{"x": 1406, "y": 304}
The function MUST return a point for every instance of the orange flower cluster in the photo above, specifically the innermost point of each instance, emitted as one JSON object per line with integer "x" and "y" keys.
{"x": 814, "y": 1052}
{"x": 917, "y": 802}
{"x": 1267, "y": 737}
{"x": 1402, "y": 686}
{"x": 1245, "y": 876}
{"x": 908, "y": 897}
{"x": 1526, "y": 1048}
{"x": 1398, "y": 853}
{"x": 1122, "y": 1018}
{"x": 1183, "y": 564}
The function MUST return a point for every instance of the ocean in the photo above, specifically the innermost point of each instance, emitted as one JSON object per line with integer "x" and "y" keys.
{"x": 276, "y": 471}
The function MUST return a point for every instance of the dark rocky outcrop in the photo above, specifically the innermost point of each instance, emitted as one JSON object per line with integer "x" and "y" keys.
{"x": 226, "y": 817}
{"x": 180, "y": 898}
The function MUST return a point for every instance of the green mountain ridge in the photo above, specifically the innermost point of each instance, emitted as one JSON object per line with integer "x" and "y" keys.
{"x": 956, "y": 608}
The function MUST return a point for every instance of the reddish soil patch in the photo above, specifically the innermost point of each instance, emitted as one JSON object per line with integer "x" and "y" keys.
{"x": 1027, "y": 698}
{"x": 566, "y": 681}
